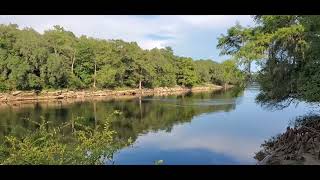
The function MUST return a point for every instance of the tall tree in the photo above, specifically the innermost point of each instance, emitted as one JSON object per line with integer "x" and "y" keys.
{"x": 63, "y": 43}
{"x": 237, "y": 43}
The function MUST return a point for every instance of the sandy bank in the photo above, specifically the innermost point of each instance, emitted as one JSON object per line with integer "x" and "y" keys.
{"x": 30, "y": 96}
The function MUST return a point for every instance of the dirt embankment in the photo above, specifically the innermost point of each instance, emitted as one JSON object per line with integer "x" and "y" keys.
{"x": 17, "y": 96}
{"x": 298, "y": 145}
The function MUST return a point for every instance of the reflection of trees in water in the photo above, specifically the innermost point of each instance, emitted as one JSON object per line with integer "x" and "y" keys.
{"x": 138, "y": 115}
{"x": 280, "y": 87}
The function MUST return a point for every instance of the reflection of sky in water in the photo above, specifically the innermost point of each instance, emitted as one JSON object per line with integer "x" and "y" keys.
{"x": 213, "y": 138}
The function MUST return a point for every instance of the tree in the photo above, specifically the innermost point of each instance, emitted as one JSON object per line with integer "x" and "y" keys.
{"x": 186, "y": 75}
{"x": 162, "y": 70}
{"x": 204, "y": 70}
{"x": 62, "y": 43}
{"x": 239, "y": 43}
{"x": 289, "y": 50}
{"x": 29, "y": 46}
{"x": 55, "y": 72}
{"x": 231, "y": 75}
{"x": 59, "y": 59}
{"x": 106, "y": 77}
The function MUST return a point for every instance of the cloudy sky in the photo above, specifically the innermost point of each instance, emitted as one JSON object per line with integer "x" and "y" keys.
{"x": 192, "y": 36}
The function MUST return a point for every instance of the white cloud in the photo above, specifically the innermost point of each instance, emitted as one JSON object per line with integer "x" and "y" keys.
{"x": 131, "y": 28}
{"x": 179, "y": 139}
{"x": 150, "y": 44}
{"x": 215, "y": 21}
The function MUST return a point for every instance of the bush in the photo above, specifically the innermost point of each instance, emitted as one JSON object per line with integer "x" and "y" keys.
{"x": 106, "y": 77}
{"x": 50, "y": 146}
{"x": 75, "y": 82}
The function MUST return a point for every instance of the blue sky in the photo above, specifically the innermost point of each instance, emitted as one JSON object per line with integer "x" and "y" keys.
{"x": 189, "y": 35}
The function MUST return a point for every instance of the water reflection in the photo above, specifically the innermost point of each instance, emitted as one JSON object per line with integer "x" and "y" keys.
{"x": 195, "y": 128}
{"x": 138, "y": 115}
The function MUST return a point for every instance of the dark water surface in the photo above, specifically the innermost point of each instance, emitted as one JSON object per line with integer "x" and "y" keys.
{"x": 195, "y": 128}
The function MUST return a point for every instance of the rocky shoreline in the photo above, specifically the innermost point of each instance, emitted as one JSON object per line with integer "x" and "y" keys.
{"x": 19, "y": 96}
{"x": 297, "y": 146}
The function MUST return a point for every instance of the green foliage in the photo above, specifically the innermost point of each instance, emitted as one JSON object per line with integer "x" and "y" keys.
{"x": 52, "y": 146}
{"x": 287, "y": 48}
{"x": 237, "y": 43}
{"x": 58, "y": 59}
{"x": 3, "y": 85}
{"x": 231, "y": 75}
{"x": 204, "y": 70}
{"x": 106, "y": 77}
{"x": 75, "y": 82}
{"x": 55, "y": 73}
{"x": 186, "y": 74}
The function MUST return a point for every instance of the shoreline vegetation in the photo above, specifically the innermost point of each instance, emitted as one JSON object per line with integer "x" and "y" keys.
{"x": 72, "y": 143}
{"x": 58, "y": 59}
{"x": 33, "y": 96}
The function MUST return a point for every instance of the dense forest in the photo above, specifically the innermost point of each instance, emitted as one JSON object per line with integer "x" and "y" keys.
{"x": 58, "y": 59}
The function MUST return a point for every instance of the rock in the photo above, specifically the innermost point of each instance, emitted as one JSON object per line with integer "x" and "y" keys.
{"x": 60, "y": 97}
{"x": 16, "y": 93}
{"x": 27, "y": 94}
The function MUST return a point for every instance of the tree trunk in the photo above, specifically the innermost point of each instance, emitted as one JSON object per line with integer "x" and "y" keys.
{"x": 249, "y": 71}
{"x": 73, "y": 60}
{"x": 140, "y": 81}
{"x": 55, "y": 52}
{"x": 95, "y": 74}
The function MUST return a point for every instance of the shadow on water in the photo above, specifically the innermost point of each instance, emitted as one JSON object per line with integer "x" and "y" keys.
{"x": 138, "y": 116}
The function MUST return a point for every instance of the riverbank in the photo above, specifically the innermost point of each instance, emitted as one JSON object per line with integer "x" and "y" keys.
{"x": 297, "y": 146}
{"x": 19, "y": 96}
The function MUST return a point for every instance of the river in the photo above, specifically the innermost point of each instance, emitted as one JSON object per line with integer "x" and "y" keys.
{"x": 223, "y": 127}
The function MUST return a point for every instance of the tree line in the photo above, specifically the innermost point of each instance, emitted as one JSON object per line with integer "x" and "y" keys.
{"x": 287, "y": 49}
{"x": 59, "y": 59}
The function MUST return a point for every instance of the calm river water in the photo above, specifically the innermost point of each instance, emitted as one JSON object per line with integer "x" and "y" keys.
{"x": 225, "y": 127}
